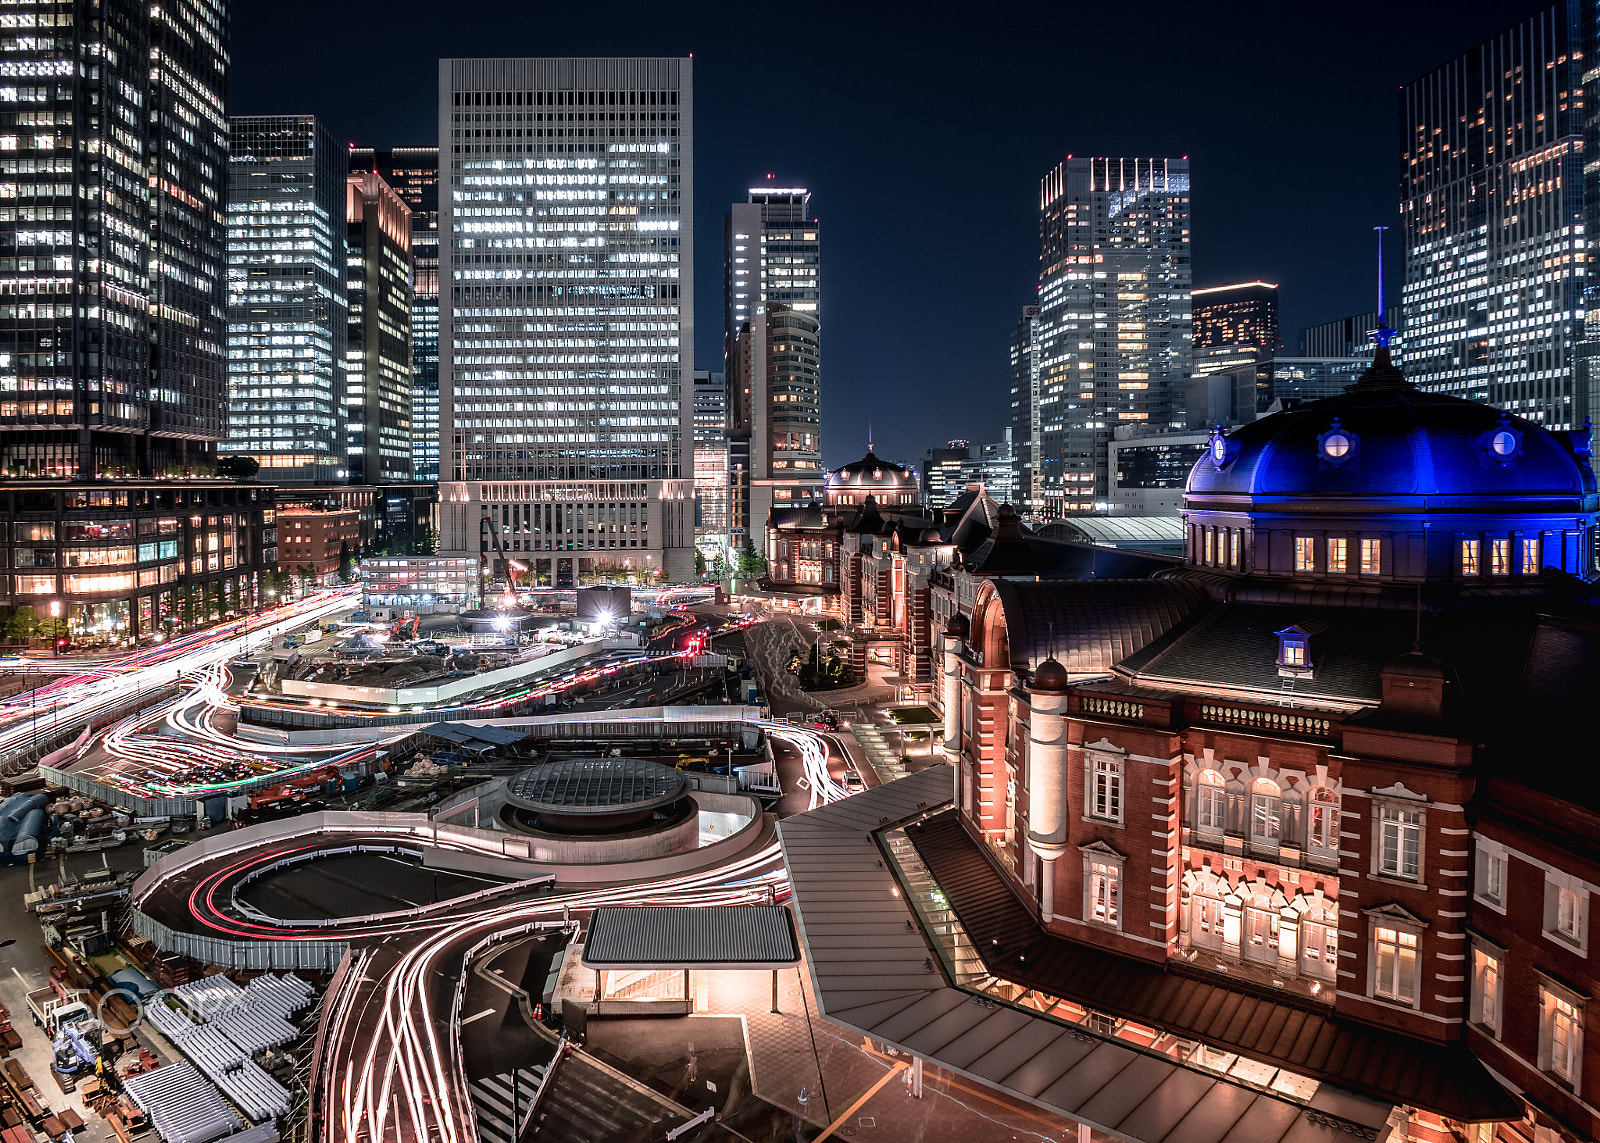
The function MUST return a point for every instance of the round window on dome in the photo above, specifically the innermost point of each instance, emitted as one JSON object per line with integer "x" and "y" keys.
{"x": 1503, "y": 443}
{"x": 1336, "y": 445}
{"x": 1219, "y": 450}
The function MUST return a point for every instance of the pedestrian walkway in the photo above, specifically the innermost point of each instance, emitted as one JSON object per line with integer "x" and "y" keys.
{"x": 880, "y": 753}
{"x": 501, "y": 1101}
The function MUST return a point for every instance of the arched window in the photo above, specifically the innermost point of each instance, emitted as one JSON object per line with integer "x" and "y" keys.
{"x": 1205, "y": 916}
{"x": 1210, "y": 802}
{"x": 1261, "y": 929}
{"x": 1266, "y": 813}
{"x": 1319, "y": 944}
{"x": 1322, "y": 819}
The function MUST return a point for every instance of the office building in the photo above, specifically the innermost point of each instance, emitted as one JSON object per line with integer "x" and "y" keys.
{"x": 111, "y": 358}
{"x": 1303, "y": 379}
{"x": 1493, "y": 194}
{"x": 1110, "y": 345}
{"x": 711, "y": 463}
{"x": 378, "y": 377}
{"x": 947, "y": 472}
{"x": 1245, "y": 313}
{"x": 1344, "y": 337}
{"x": 772, "y": 303}
{"x": 566, "y": 308}
{"x": 413, "y": 172}
{"x": 419, "y": 585}
{"x": 287, "y": 319}
{"x": 1149, "y": 470}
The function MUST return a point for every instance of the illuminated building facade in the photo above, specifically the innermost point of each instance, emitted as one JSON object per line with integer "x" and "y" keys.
{"x": 772, "y": 301}
{"x": 1349, "y": 839}
{"x": 1245, "y": 313}
{"x": 379, "y": 380}
{"x": 287, "y": 319}
{"x": 1492, "y": 212}
{"x": 111, "y": 341}
{"x": 1111, "y": 343}
{"x": 566, "y": 310}
{"x": 711, "y": 463}
{"x": 413, "y": 172}
{"x": 947, "y": 472}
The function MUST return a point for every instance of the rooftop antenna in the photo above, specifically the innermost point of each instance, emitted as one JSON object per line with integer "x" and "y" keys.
{"x": 869, "y": 435}
{"x": 1383, "y": 333}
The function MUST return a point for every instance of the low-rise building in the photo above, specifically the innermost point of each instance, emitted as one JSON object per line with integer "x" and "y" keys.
{"x": 426, "y": 585}
{"x": 313, "y": 538}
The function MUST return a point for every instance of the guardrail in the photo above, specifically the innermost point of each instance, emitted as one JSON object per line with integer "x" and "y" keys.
{"x": 263, "y": 956}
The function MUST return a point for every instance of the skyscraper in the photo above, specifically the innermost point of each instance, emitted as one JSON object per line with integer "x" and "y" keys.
{"x": 1492, "y": 198}
{"x": 772, "y": 300}
{"x": 567, "y": 229}
{"x": 1245, "y": 313}
{"x": 111, "y": 357}
{"x": 1111, "y": 343}
{"x": 378, "y": 380}
{"x": 413, "y": 172}
{"x": 711, "y": 463}
{"x": 286, "y": 298}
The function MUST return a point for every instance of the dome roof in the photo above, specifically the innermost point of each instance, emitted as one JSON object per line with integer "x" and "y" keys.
{"x": 1384, "y": 437}
{"x": 871, "y": 474}
{"x": 1050, "y": 675}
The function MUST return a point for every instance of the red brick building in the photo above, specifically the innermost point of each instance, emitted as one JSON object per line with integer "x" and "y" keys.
{"x": 1314, "y": 800}
{"x": 309, "y": 537}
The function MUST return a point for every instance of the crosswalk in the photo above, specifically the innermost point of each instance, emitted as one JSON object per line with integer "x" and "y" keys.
{"x": 502, "y": 1101}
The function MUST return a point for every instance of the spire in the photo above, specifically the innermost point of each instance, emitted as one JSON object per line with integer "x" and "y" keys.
{"x": 1383, "y": 374}
{"x": 1383, "y": 334}
{"x": 869, "y": 436}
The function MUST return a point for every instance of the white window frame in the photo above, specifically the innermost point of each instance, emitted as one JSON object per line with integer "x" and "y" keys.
{"x": 1102, "y": 881}
{"x": 1264, "y": 806}
{"x": 1561, "y": 1040}
{"x": 1488, "y": 986}
{"x": 1529, "y": 561}
{"x": 1329, "y": 843}
{"x": 1489, "y": 886}
{"x": 1566, "y": 911}
{"x": 1470, "y": 560}
{"x": 1326, "y": 951}
{"x": 1381, "y": 811}
{"x": 1393, "y": 933}
{"x": 1305, "y": 553}
{"x": 1372, "y": 546}
{"x": 1213, "y": 797}
{"x": 1199, "y": 937}
{"x": 1338, "y": 555}
{"x": 1500, "y": 556}
{"x": 1103, "y": 795}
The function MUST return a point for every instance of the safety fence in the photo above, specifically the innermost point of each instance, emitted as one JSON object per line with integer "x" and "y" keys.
{"x": 242, "y": 956}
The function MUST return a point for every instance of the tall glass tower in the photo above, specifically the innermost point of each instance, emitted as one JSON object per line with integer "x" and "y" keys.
{"x": 111, "y": 335}
{"x": 378, "y": 380}
{"x": 772, "y": 296}
{"x": 413, "y": 172}
{"x": 1110, "y": 345}
{"x": 287, "y": 308}
{"x": 566, "y": 311}
{"x": 1497, "y": 304}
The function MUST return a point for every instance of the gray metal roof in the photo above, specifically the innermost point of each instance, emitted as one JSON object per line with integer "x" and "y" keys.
{"x": 595, "y": 785}
{"x": 717, "y": 936}
{"x": 869, "y": 974}
{"x": 1091, "y": 624}
{"x": 1117, "y": 529}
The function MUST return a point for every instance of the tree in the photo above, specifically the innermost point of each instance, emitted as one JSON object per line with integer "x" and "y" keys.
{"x": 751, "y": 563}
{"x": 347, "y": 565}
{"x": 719, "y": 567}
{"x": 238, "y": 467}
{"x": 699, "y": 563}
{"x": 428, "y": 544}
{"x": 307, "y": 576}
{"x": 24, "y": 623}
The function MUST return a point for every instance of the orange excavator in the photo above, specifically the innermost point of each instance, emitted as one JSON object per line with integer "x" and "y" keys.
{"x": 399, "y": 629}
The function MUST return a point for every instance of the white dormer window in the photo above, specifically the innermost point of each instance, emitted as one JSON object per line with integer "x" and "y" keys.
{"x": 1566, "y": 910}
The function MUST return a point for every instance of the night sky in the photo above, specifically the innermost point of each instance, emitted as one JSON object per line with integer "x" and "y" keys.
{"x": 922, "y": 132}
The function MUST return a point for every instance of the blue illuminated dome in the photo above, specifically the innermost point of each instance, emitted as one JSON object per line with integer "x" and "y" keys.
{"x": 1419, "y": 477}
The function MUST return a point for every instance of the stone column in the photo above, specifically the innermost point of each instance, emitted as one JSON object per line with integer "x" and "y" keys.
{"x": 954, "y": 634}
{"x": 1047, "y": 775}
